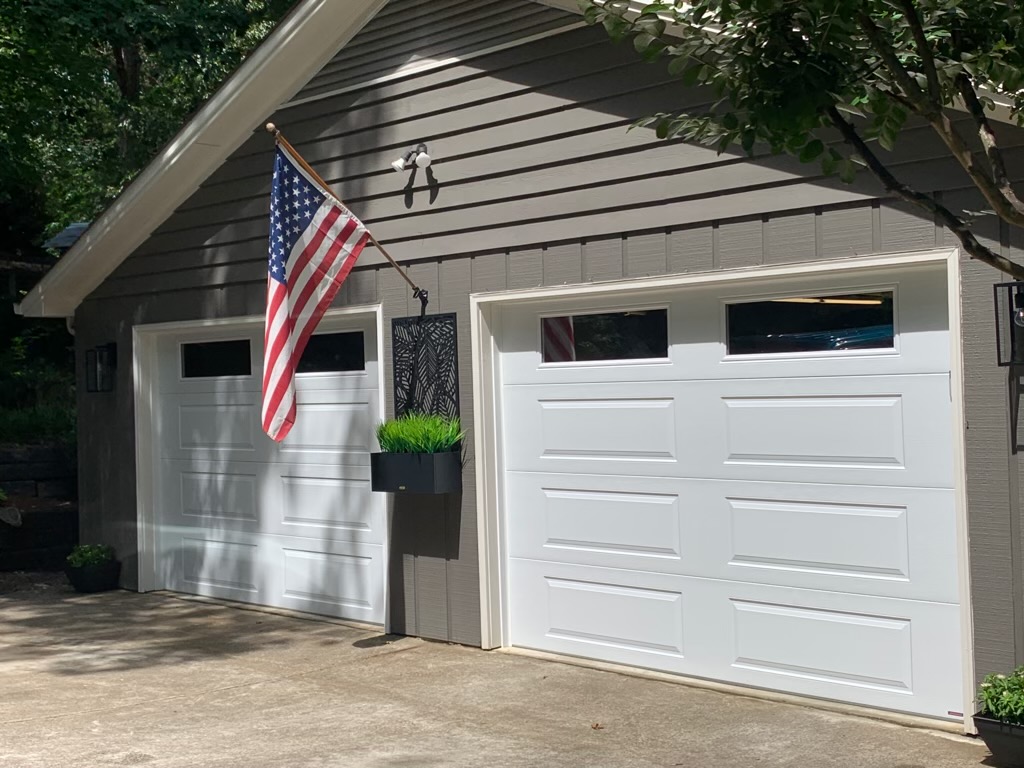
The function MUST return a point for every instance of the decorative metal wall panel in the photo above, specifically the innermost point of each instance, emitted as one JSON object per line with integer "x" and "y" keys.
{"x": 425, "y": 360}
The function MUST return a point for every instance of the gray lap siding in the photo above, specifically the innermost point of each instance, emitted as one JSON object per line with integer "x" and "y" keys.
{"x": 536, "y": 182}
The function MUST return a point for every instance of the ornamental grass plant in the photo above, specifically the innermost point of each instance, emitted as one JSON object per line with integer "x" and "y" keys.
{"x": 419, "y": 433}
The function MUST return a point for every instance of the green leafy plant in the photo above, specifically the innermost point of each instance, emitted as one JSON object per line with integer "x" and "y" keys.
{"x": 3, "y": 496}
{"x": 834, "y": 82}
{"x": 1001, "y": 697}
{"x": 90, "y": 554}
{"x": 419, "y": 433}
{"x": 40, "y": 424}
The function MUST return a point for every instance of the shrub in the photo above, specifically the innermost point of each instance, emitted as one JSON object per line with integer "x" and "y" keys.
{"x": 419, "y": 433}
{"x": 39, "y": 424}
{"x": 1001, "y": 697}
{"x": 3, "y": 496}
{"x": 90, "y": 554}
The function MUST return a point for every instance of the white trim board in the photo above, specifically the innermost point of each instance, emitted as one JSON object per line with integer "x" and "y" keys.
{"x": 485, "y": 330}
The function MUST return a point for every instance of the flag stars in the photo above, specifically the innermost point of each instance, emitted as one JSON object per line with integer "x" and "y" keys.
{"x": 294, "y": 203}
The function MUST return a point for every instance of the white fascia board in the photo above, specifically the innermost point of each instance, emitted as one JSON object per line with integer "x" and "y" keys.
{"x": 306, "y": 40}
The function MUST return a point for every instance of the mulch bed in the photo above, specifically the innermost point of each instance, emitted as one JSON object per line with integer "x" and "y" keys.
{"x": 33, "y": 581}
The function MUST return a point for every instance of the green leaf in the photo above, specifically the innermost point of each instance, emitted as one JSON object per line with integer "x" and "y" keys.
{"x": 847, "y": 171}
{"x": 592, "y": 13}
{"x": 677, "y": 64}
{"x": 811, "y": 151}
{"x": 747, "y": 140}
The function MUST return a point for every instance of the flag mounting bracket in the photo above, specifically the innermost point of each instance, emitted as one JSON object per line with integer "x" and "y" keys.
{"x": 417, "y": 292}
{"x": 424, "y": 297}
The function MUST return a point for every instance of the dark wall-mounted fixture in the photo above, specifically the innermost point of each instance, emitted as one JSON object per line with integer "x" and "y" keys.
{"x": 100, "y": 365}
{"x": 416, "y": 157}
{"x": 1009, "y": 304}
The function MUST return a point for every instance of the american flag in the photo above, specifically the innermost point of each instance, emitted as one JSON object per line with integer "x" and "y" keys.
{"x": 314, "y": 242}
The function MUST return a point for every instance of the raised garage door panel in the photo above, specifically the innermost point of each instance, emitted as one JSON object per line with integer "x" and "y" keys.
{"x": 862, "y": 430}
{"x": 784, "y": 521}
{"x": 889, "y": 542}
{"x": 292, "y": 525}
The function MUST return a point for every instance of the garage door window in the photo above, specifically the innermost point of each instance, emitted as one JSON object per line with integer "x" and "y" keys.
{"x": 334, "y": 353}
{"x": 632, "y": 335}
{"x": 812, "y": 324}
{"x": 211, "y": 359}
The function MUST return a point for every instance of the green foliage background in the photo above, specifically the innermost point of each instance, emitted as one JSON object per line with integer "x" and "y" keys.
{"x": 89, "y": 92}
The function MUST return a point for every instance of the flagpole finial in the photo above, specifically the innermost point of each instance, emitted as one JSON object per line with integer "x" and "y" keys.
{"x": 271, "y": 128}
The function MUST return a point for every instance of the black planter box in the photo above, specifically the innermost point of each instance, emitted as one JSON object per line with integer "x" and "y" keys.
{"x": 1004, "y": 740}
{"x": 94, "y": 578}
{"x": 416, "y": 472}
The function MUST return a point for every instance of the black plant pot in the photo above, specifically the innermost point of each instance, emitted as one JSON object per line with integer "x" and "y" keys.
{"x": 1004, "y": 740}
{"x": 416, "y": 472}
{"x": 94, "y": 578}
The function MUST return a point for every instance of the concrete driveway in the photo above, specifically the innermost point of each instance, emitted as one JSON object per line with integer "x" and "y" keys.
{"x": 126, "y": 679}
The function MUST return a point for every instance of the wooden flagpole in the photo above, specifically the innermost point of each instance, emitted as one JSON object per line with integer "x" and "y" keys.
{"x": 417, "y": 292}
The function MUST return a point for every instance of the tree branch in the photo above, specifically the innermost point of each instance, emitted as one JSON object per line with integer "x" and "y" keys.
{"x": 950, "y": 220}
{"x": 885, "y": 51}
{"x": 1002, "y": 196}
{"x": 999, "y": 194}
{"x": 924, "y": 50}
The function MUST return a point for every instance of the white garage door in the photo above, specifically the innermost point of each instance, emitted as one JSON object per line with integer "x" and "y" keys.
{"x": 752, "y": 485}
{"x": 292, "y": 525}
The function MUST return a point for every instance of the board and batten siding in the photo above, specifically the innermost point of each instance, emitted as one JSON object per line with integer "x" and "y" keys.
{"x": 536, "y": 181}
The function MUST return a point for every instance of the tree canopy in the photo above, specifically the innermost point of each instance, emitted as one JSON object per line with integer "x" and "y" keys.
{"x": 787, "y": 72}
{"x": 89, "y": 91}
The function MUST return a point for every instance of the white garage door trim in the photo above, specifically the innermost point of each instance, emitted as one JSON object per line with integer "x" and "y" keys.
{"x": 145, "y": 363}
{"x": 485, "y": 326}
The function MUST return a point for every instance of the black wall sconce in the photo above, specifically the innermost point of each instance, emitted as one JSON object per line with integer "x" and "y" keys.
{"x": 100, "y": 364}
{"x": 1009, "y": 304}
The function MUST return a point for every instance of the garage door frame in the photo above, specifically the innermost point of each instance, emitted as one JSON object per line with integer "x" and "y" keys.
{"x": 145, "y": 362}
{"x": 486, "y": 329}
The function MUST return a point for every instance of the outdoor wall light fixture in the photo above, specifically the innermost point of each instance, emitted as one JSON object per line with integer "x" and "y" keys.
{"x": 417, "y": 156}
{"x": 100, "y": 364}
{"x": 1009, "y": 302}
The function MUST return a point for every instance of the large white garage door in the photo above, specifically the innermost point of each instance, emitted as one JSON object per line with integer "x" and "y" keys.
{"x": 292, "y": 525}
{"x": 749, "y": 484}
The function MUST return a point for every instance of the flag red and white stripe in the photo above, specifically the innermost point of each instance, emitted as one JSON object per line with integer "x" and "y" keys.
{"x": 314, "y": 243}
{"x": 559, "y": 340}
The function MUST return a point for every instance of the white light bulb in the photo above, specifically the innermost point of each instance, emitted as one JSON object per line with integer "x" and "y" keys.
{"x": 423, "y": 160}
{"x": 1017, "y": 313}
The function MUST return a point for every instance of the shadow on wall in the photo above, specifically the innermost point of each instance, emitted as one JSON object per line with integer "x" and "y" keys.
{"x": 292, "y": 525}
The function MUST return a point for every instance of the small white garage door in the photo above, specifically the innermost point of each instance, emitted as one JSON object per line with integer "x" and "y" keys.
{"x": 748, "y": 484}
{"x": 292, "y": 525}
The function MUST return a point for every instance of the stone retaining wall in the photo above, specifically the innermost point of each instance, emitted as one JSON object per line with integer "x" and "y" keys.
{"x": 44, "y": 471}
{"x": 41, "y": 482}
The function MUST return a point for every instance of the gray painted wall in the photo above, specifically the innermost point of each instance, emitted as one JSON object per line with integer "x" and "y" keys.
{"x": 536, "y": 182}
